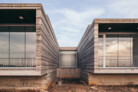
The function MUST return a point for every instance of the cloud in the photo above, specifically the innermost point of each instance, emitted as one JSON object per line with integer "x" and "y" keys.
{"x": 123, "y": 8}
{"x": 67, "y": 40}
{"x": 71, "y": 24}
{"x": 78, "y": 18}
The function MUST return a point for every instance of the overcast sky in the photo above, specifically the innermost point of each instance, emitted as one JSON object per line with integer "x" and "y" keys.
{"x": 70, "y": 18}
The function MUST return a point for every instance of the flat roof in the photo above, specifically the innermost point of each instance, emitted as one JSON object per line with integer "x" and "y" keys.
{"x": 115, "y": 20}
{"x": 20, "y": 5}
{"x": 67, "y": 48}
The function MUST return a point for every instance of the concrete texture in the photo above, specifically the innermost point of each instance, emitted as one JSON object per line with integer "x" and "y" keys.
{"x": 22, "y": 83}
{"x": 47, "y": 50}
{"x": 68, "y": 73}
{"x": 113, "y": 79}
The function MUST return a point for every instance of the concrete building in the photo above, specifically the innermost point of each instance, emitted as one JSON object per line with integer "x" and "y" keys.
{"x": 108, "y": 54}
{"x": 29, "y": 52}
{"x": 31, "y": 58}
{"x": 68, "y": 68}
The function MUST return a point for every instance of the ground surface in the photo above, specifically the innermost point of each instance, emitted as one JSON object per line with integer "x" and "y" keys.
{"x": 79, "y": 86}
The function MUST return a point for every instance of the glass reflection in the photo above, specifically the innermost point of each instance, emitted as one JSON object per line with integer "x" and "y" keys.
{"x": 124, "y": 51}
{"x": 100, "y": 50}
{"x": 17, "y": 47}
{"x": 67, "y": 59}
{"x": 111, "y": 50}
{"x": 135, "y": 49}
{"x": 4, "y": 46}
{"x": 30, "y": 48}
{"x": 121, "y": 50}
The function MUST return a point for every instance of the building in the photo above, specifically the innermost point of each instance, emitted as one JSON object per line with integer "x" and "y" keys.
{"x": 108, "y": 54}
{"x": 29, "y": 51}
{"x": 30, "y": 56}
{"x": 68, "y": 68}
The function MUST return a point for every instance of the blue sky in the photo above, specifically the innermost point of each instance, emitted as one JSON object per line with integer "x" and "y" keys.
{"x": 70, "y": 18}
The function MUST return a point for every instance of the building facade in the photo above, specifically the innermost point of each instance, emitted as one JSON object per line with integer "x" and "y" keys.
{"x": 29, "y": 52}
{"x": 107, "y": 53}
{"x": 68, "y": 68}
{"x": 31, "y": 57}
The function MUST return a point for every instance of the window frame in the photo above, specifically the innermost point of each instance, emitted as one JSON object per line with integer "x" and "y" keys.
{"x": 104, "y": 48}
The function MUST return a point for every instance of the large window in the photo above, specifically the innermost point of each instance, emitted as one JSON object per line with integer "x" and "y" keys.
{"x": 100, "y": 50}
{"x": 30, "y": 46}
{"x": 118, "y": 50}
{"x": 17, "y": 46}
{"x": 68, "y": 59}
{"x": 4, "y": 46}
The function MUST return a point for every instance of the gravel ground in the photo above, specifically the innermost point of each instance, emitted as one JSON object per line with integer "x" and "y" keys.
{"x": 80, "y": 86}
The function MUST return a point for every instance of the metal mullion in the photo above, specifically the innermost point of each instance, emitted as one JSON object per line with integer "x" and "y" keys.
{"x": 104, "y": 50}
{"x": 25, "y": 46}
{"x": 9, "y": 44}
{"x": 117, "y": 49}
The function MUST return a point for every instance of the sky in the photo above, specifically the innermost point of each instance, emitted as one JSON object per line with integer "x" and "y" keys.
{"x": 70, "y": 18}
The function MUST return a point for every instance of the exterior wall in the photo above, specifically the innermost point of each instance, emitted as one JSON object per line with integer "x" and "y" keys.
{"x": 88, "y": 59}
{"x": 47, "y": 54}
{"x": 22, "y": 81}
{"x": 68, "y": 73}
{"x": 33, "y": 71}
{"x": 113, "y": 79}
{"x": 112, "y": 70}
{"x": 85, "y": 53}
{"x": 49, "y": 49}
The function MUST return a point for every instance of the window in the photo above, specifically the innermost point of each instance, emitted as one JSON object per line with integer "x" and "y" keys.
{"x": 18, "y": 46}
{"x": 100, "y": 50}
{"x": 4, "y": 46}
{"x": 30, "y": 46}
{"x": 68, "y": 59}
{"x": 120, "y": 50}
{"x": 111, "y": 50}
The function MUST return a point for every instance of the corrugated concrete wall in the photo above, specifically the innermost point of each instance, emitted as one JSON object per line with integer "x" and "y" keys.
{"x": 113, "y": 79}
{"x": 47, "y": 52}
{"x": 86, "y": 53}
{"x": 88, "y": 59}
{"x": 22, "y": 83}
{"x": 49, "y": 55}
{"x": 68, "y": 73}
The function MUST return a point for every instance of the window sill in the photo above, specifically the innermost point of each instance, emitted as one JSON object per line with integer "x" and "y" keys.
{"x": 17, "y": 68}
{"x": 117, "y": 67}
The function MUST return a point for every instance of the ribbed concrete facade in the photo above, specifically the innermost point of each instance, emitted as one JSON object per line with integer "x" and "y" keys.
{"x": 90, "y": 63}
{"x": 47, "y": 51}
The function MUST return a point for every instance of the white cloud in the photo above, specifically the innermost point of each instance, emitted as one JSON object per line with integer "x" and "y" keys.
{"x": 66, "y": 40}
{"x": 123, "y": 8}
{"x": 69, "y": 29}
{"x": 78, "y": 18}
{"x": 71, "y": 24}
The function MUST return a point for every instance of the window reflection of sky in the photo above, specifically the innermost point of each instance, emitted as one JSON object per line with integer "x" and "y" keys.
{"x": 119, "y": 50}
{"x": 20, "y": 47}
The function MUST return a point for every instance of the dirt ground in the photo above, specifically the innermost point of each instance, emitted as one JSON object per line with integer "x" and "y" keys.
{"x": 80, "y": 86}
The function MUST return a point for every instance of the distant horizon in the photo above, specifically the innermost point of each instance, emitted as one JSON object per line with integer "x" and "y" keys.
{"x": 70, "y": 19}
